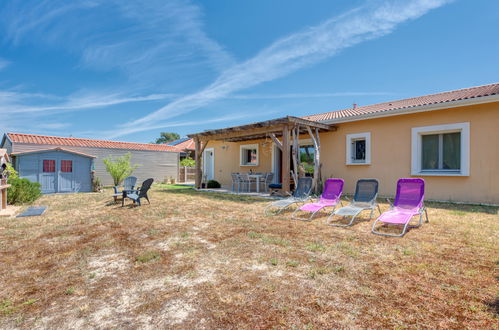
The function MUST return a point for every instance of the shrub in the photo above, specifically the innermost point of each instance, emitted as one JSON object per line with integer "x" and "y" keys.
{"x": 187, "y": 162}
{"x": 12, "y": 172}
{"x": 213, "y": 184}
{"x": 23, "y": 191}
{"x": 119, "y": 168}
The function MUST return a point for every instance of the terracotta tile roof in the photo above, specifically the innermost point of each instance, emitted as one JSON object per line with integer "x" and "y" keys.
{"x": 53, "y": 149}
{"x": 183, "y": 144}
{"x": 386, "y": 107}
{"x": 77, "y": 142}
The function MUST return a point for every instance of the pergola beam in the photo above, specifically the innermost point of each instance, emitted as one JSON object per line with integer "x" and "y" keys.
{"x": 276, "y": 141}
{"x": 255, "y": 130}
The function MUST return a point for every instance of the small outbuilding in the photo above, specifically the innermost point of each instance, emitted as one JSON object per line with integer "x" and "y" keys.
{"x": 69, "y": 164}
{"x": 58, "y": 170}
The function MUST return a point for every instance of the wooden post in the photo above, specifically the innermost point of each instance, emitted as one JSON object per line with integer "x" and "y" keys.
{"x": 197, "y": 160}
{"x": 295, "y": 154}
{"x": 285, "y": 160}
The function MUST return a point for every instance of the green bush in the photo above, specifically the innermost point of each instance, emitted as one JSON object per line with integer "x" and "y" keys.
{"x": 213, "y": 184}
{"x": 22, "y": 191}
{"x": 187, "y": 162}
{"x": 12, "y": 172}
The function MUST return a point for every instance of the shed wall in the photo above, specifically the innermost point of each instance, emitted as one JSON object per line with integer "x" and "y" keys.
{"x": 154, "y": 164}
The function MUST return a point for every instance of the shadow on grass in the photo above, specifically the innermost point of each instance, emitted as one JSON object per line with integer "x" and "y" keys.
{"x": 215, "y": 195}
{"x": 493, "y": 306}
{"x": 463, "y": 207}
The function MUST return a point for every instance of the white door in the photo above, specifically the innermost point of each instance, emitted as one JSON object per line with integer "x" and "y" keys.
{"x": 209, "y": 163}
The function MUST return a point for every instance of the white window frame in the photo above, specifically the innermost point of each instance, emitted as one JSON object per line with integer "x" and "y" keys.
{"x": 349, "y": 139}
{"x": 417, "y": 142}
{"x": 243, "y": 147}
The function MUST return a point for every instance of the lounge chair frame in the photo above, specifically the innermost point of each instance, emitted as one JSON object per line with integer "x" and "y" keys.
{"x": 406, "y": 225}
{"x": 369, "y": 204}
{"x": 329, "y": 203}
{"x": 421, "y": 209}
{"x": 300, "y": 195}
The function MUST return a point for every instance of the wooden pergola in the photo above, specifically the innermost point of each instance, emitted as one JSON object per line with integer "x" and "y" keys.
{"x": 285, "y": 133}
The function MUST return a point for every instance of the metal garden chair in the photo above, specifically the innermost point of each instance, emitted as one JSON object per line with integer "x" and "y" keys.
{"x": 409, "y": 201}
{"x": 366, "y": 192}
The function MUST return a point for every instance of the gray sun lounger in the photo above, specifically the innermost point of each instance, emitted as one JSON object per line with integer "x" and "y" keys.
{"x": 300, "y": 195}
{"x": 366, "y": 192}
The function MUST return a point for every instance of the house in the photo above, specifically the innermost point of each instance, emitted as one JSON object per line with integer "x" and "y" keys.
{"x": 450, "y": 139}
{"x": 185, "y": 145}
{"x": 65, "y": 164}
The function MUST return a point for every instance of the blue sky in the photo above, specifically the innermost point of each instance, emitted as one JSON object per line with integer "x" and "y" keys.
{"x": 127, "y": 70}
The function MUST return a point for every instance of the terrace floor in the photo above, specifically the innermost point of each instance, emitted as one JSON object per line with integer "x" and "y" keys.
{"x": 211, "y": 260}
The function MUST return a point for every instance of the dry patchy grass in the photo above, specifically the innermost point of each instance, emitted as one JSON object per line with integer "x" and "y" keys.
{"x": 208, "y": 260}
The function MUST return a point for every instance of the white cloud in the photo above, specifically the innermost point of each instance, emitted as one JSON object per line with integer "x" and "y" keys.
{"x": 303, "y": 95}
{"x": 295, "y": 52}
{"x": 20, "y": 103}
{"x": 191, "y": 123}
{"x": 3, "y": 63}
{"x": 151, "y": 41}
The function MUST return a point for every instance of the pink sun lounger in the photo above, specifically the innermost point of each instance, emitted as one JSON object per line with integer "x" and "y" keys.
{"x": 409, "y": 201}
{"x": 330, "y": 198}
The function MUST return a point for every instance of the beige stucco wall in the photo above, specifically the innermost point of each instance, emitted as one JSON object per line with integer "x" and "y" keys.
{"x": 227, "y": 159}
{"x": 391, "y": 154}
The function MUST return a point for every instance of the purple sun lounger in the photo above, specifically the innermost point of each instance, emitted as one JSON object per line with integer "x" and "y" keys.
{"x": 330, "y": 198}
{"x": 409, "y": 201}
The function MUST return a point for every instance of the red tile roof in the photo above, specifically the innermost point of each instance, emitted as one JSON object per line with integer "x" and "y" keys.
{"x": 77, "y": 142}
{"x": 386, "y": 107}
{"x": 53, "y": 149}
{"x": 184, "y": 145}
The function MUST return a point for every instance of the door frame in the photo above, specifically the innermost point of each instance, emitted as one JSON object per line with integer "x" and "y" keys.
{"x": 60, "y": 175}
{"x": 212, "y": 150}
{"x": 55, "y": 173}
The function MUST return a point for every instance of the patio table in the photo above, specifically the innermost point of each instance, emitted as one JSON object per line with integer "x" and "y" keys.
{"x": 257, "y": 178}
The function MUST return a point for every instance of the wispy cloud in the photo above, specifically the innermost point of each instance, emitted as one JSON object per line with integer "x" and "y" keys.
{"x": 21, "y": 103}
{"x": 294, "y": 52}
{"x": 183, "y": 123}
{"x": 3, "y": 63}
{"x": 151, "y": 41}
{"x": 303, "y": 95}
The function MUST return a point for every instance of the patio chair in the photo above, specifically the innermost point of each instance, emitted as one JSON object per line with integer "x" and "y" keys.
{"x": 267, "y": 180}
{"x": 409, "y": 201}
{"x": 300, "y": 195}
{"x": 330, "y": 197}
{"x": 235, "y": 181}
{"x": 366, "y": 192}
{"x": 128, "y": 185}
{"x": 141, "y": 192}
{"x": 244, "y": 179}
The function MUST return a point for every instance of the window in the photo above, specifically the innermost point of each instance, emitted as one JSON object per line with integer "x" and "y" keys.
{"x": 67, "y": 166}
{"x": 358, "y": 149}
{"x": 249, "y": 155}
{"x": 441, "y": 150}
{"x": 48, "y": 165}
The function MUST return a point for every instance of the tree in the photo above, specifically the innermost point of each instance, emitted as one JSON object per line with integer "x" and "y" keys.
{"x": 119, "y": 168}
{"x": 166, "y": 137}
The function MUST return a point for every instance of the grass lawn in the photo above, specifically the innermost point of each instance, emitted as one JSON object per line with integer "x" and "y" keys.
{"x": 208, "y": 260}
